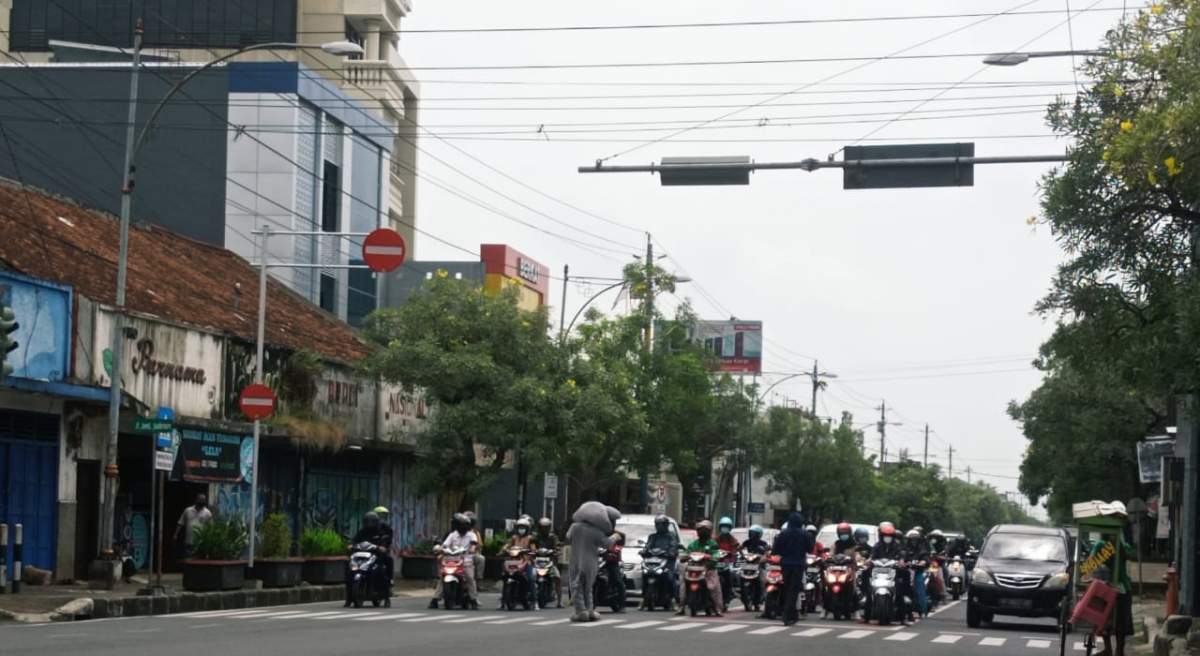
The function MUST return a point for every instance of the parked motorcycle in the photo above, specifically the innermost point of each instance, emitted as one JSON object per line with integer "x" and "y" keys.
{"x": 454, "y": 589}
{"x": 883, "y": 600}
{"x": 514, "y": 588}
{"x": 545, "y": 568}
{"x": 956, "y": 577}
{"x": 606, "y": 592}
{"x": 812, "y": 584}
{"x": 750, "y": 579}
{"x": 773, "y": 588}
{"x": 656, "y": 582}
{"x": 367, "y": 576}
{"x": 839, "y": 597}
{"x": 695, "y": 572}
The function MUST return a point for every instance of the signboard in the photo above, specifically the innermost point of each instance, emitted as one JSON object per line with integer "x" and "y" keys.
{"x": 736, "y": 345}
{"x": 756, "y": 507}
{"x": 350, "y": 401}
{"x": 43, "y": 310}
{"x": 1150, "y": 453}
{"x": 212, "y": 457}
{"x": 152, "y": 425}
{"x": 164, "y": 460}
{"x": 1162, "y": 528}
{"x": 550, "y": 487}
{"x": 384, "y": 250}
{"x": 907, "y": 177}
{"x": 257, "y": 401}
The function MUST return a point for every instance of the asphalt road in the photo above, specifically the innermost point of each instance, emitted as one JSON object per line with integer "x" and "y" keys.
{"x": 409, "y": 627}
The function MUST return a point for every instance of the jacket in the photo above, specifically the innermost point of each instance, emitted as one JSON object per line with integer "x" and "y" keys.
{"x": 665, "y": 541}
{"x": 793, "y": 545}
{"x": 379, "y": 535}
{"x": 756, "y": 545}
{"x": 893, "y": 551}
{"x": 916, "y": 552}
{"x": 730, "y": 544}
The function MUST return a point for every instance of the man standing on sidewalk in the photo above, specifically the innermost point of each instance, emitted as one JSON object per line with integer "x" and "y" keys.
{"x": 193, "y": 517}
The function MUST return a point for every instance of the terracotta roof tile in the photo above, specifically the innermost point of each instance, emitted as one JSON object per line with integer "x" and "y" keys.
{"x": 170, "y": 276}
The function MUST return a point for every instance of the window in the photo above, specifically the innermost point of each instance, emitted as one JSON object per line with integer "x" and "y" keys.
{"x": 362, "y": 295}
{"x": 354, "y": 36}
{"x": 331, "y": 197}
{"x": 328, "y": 294}
{"x": 1014, "y": 546}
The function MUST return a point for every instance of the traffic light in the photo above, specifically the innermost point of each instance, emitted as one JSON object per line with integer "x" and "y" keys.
{"x": 8, "y": 326}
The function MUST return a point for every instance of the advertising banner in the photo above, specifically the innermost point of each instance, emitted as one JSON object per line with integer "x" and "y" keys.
{"x": 1150, "y": 453}
{"x": 737, "y": 345}
{"x": 213, "y": 457}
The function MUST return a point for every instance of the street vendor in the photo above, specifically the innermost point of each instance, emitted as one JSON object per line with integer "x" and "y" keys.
{"x": 1104, "y": 556}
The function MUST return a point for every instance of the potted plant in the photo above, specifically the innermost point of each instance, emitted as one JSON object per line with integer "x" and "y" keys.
{"x": 216, "y": 561}
{"x": 324, "y": 553}
{"x": 418, "y": 561}
{"x": 275, "y": 568}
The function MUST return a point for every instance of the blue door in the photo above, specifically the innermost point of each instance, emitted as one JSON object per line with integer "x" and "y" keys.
{"x": 29, "y": 483}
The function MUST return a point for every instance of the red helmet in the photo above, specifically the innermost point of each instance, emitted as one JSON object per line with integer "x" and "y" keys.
{"x": 887, "y": 529}
{"x": 844, "y": 530}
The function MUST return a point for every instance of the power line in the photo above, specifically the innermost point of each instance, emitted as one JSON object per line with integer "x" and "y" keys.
{"x": 946, "y": 375}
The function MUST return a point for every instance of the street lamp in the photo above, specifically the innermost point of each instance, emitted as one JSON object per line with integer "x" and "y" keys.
{"x": 133, "y": 144}
{"x": 565, "y": 331}
{"x": 1018, "y": 58}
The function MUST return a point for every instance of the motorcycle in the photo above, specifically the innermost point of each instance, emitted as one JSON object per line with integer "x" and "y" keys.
{"x": 606, "y": 592}
{"x": 545, "y": 567}
{"x": 451, "y": 568}
{"x": 936, "y": 583}
{"x": 725, "y": 569}
{"x": 812, "y": 584}
{"x": 367, "y": 576}
{"x": 839, "y": 599}
{"x": 656, "y": 582}
{"x": 697, "y": 597}
{"x": 920, "y": 587}
{"x": 773, "y": 588}
{"x": 972, "y": 558}
{"x": 750, "y": 578}
{"x": 514, "y": 584}
{"x": 956, "y": 575}
{"x": 883, "y": 600}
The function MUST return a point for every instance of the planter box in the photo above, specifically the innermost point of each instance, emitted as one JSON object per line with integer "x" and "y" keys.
{"x": 278, "y": 572}
{"x": 418, "y": 567}
{"x": 493, "y": 567}
{"x": 324, "y": 570}
{"x": 213, "y": 575}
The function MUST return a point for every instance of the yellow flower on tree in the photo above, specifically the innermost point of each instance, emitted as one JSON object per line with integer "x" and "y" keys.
{"x": 1118, "y": 91}
{"x": 1157, "y": 9}
{"x": 1174, "y": 167}
{"x": 1126, "y": 126}
{"x": 1152, "y": 177}
{"x": 442, "y": 273}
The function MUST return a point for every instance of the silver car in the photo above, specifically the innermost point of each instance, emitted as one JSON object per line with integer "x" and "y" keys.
{"x": 636, "y": 529}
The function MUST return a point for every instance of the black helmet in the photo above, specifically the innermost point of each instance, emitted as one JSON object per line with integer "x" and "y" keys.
{"x": 662, "y": 523}
{"x": 460, "y": 522}
{"x": 470, "y": 519}
{"x": 861, "y": 534}
{"x": 371, "y": 518}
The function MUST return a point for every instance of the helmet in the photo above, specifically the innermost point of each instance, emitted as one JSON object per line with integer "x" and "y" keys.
{"x": 843, "y": 531}
{"x": 523, "y": 526}
{"x": 725, "y": 521}
{"x": 810, "y": 529}
{"x": 861, "y": 534}
{"x": 371, "y": 519}
{"x": 918, "y": 529}
{"x": 381, "y": 511}
{"x": 662, "y": 523}
{"x": 756, "y": 530}
{"x": 526, "y": 517}
{"x": 913, "y": 534}
{"x": 460, "y": 522}
{"x": 883, "y": 525}
{"x": 470, "y": 519}
{"x": 704, "y": 528}
{"x": 887, "y": 532}
{"x": 544, "y": 524}
{"x": 936, "y": 534}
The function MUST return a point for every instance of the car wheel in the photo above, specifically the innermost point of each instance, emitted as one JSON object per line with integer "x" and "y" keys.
{"x": 973, "y": 616}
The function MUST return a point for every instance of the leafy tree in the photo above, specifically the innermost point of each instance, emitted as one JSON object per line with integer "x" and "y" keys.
{"x": 485, "y": 363}
{"x": 975, "y": 508}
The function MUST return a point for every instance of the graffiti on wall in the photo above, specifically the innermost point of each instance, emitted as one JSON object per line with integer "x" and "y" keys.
{"x": 338, "y": 500}
{"x": 413, "y": 516}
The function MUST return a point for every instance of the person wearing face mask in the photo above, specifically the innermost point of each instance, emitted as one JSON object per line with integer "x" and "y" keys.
{"x": 374, "y": 532}
{"x": 546, "y": 539}
{"x": 845, "y": 543}
{"x": 704, "y": 543}
{"x": 730, "y": 546}
{"x": 522, "y": 538}
{"x": 193, "y": 517}
{"x": 460, "y": 537}
{"x": 889, "y": 548}
{"x": 662, "y": 539}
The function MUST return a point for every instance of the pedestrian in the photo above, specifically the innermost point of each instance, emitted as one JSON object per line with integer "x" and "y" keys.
{"x": 793, "y": 546}
{"x": 193, "y": 518}
{"x": 1121, "y": 624}
{"x": 591, "y": 531}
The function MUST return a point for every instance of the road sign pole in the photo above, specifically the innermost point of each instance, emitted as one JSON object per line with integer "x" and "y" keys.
{"x": 258, "y": 378}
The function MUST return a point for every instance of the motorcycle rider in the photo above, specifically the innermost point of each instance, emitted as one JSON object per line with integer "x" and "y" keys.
{"x": 957, "y": 547}
{"x": 916, "y": 550}
{"x": 546, "y": 539}
{"x": 730, "y": 546}
{"x": 817, "y": 547}
{"x": 889, "y": 548}
{"x": 793, "y": 546}
{"x": 665, "y": 540}
{"x": 612, "y": 566}
{"x": 862, "y": 541}
{"x": 757, "y": 545}
{"x": 845, "y": 540}
{"x": 461, "y": 537}
{"x": 937, "y": 542}
{"x": 706, "y": 544}
{"x": 380, "y": 535}
{"x": 385, "y": 526}
{"x": 522, "y": 538}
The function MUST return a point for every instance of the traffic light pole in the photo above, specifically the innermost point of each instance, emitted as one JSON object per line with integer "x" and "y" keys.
{"x": 812, "y": 164}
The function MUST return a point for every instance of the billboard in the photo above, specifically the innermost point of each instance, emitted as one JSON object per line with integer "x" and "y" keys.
{"x": 737, "y": 345}
{"x": 1150, "y": 453}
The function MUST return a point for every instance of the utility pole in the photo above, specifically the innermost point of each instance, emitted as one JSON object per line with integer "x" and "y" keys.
{"x": 644, "y": 480}
{"x": 882, "y": 433}
{"x": 111, "y": 471}
{"x": 951, "y": 474}
{"x": 968, "y": 474}
{"x": 927, "y": 446}
{"x": 562, "y": 311}
{"x": 817, "y": 384}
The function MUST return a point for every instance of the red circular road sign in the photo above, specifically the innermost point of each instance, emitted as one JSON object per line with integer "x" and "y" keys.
{"x": 257, "y": 401}
{"x": 384, "y": 250}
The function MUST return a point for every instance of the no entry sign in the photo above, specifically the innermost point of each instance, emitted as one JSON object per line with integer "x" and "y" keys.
{"x": 257, "y": 401}
{"x": 384, "y": 250}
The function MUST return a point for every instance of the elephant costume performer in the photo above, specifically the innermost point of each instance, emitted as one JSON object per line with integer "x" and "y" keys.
{"x": 591, "y": 531}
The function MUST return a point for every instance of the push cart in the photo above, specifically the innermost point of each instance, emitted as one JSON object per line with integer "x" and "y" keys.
{"x": 1089, "y": 605}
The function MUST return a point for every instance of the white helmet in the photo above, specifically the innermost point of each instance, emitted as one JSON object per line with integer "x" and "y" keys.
{"x": 524, "y": 523}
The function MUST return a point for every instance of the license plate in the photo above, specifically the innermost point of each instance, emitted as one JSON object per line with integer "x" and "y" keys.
{"x": 1016, "y": 604}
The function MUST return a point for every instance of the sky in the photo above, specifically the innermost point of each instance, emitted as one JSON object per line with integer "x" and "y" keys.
{"x": 921, "y": 298}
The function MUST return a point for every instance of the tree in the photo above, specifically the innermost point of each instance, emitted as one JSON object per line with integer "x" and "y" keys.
{"x": 487, "y": 366}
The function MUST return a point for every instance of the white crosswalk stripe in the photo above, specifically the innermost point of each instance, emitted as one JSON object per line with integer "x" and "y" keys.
{"x": 599, "y": 623}
{"x": 249, "y": 613}
{"x": 947, "y": 639}
{"x": 856, "y": 635}
{"x": 316, "y": 615}
{"x": 552, "y": 622}
{"x": 812, "y": 633}
{"x": 346, "y": 616}
{"x": 641, "y": 625}
{"x": 281, "y": 616}
{"x": 390, "y": 616}
{"x": 901, "y": 637}
{"x": 682, "y": 626}
{"x": 473, "y": 618}
{"x": 1038, "y": 644}
{"x": 768, "y": 630}
{"x": 726, "y": 628}
{"x": 992, "y": 642}
{"x": 1079, "y": 646}
{"x": 516, "y": 619}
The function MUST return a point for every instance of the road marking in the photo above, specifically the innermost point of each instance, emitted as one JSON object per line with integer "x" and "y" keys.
{"x": 600, "y": 623}
{"x": 552, "y": 622}
{"x": 726, "y": 628}
{"x": 901, "y": 637}
{"x": 641, "y": 625}
{"x": 946, "y": 607}
{"x": 318, "y": 615}
{"x": 204, "y": 626}
{"x": 514, "y": 620}
{"x": 768, "y": 630}
{"x": 346, "y": 616}
{"x": 812, "y": 633}
{"x": 281, "y": 616}
{"x": 947, "y": 639}
{"x": 248, "y": 613}
{"x": 68, "y": 635}
{"x": 476, "y": 618}
{"x": 208, "y": 613}
{"x": 992, "y": 642}
{"x": 387, "y": 616}
{"x": 856, "y": 635}
{"x": 682, "y": 626}
{"x": 1038, "y": 644}
{"x": 143, "y": 631}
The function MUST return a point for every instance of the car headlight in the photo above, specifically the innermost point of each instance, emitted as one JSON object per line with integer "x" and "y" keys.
{"x": 981, "y": 576}
{"x": 1058, "y": 581}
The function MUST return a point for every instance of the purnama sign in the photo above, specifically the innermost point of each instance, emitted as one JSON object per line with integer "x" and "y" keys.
{"x": 736, "y": 345}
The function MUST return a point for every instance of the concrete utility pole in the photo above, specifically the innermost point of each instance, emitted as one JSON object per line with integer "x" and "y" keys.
{"x": 951, "y": 470}
{"x": 817, "y": 384}
{"x": 926, "y": 446}
{"x": 562, "y": 311}
{"x": 968, "y": 474}
{"x": 644, "y": 480}
{"x": 882, "y": 433}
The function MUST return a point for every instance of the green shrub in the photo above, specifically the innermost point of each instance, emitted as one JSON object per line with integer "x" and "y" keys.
{"x": 276, "y": 537}
{"x": 492, "y": 547}
{"x": 318, "y": 542}
{"x": 220, "y": 539}
{"x": 420, "y": 547}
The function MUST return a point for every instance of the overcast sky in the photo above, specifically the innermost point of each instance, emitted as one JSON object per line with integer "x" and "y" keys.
{"x": 919, "y": 297}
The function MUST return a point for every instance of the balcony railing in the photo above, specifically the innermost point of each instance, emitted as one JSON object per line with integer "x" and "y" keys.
{"x": 379, "y": 80}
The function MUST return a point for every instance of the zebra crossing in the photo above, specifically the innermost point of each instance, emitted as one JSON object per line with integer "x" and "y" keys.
{"x": 382, "y": 617}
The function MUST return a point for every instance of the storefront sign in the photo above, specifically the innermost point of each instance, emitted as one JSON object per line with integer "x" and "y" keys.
{"x": 212, "y": 457}
{"x": 348, "y": 400}
{"x": 405, "y": 413}
{"x": 528, "y": 270}
{"x": 151, "y": 425}
{"x": 143, "y": 361}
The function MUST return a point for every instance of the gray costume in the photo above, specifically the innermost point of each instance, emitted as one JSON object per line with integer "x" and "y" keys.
{"x": 590, "y": 533}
